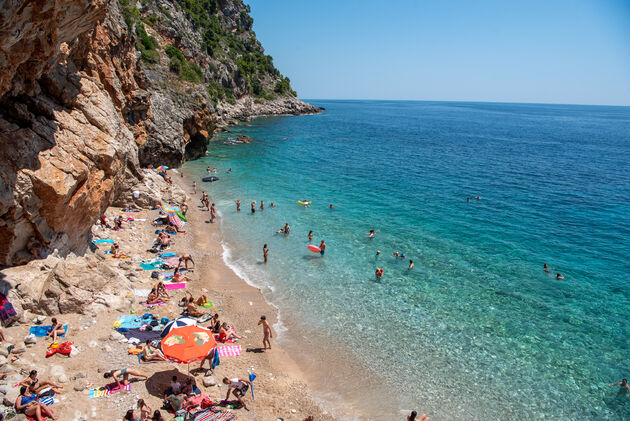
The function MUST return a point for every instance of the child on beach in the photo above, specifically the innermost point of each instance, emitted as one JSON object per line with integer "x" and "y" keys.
{"x": 266, "y": 332}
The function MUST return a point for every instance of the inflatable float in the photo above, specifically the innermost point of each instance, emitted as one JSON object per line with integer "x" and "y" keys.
{"x": 210, "y": 179}
{"x": 314, "y": 249}
{"x": 304, "y": 203}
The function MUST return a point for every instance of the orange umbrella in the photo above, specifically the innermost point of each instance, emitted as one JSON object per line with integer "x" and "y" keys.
{"x": 187, "y": 344}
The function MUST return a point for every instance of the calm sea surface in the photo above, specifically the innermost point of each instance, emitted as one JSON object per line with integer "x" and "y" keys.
{"x": 477, "y": 330}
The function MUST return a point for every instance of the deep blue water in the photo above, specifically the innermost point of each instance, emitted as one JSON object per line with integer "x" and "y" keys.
{"x": 477, "y": 330}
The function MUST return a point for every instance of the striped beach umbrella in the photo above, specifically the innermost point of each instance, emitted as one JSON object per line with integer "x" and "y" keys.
{"x": 162, "y": 167}
{"x": 169, "y": 209}
{"x": 177, "y": 323}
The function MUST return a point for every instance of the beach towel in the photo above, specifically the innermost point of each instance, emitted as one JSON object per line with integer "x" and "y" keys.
{"x": 155, "y": 264}
{"x": 211, "y": 414}
{"x": 141, "y": 292}
{"x": 42, "y": 331}
{"x": 229, "y": 350}
{"x": 103, "y": 241}
{"x": 47, "y": 400}
{"x": 6, "y": 309}
{"x": 157, "y": 303}
{"x": 110, "y": 389}
{"x": 180, "y": 285}
{"x": 129, "y": 321}
{"x": 215, "y": 359}
{"x": 169, "y": 254}
{"x": 142, "y": 335}
{"x": 171, "y": 262}
{"x": 171, "y": 273}
{"x": 225, "y": 341}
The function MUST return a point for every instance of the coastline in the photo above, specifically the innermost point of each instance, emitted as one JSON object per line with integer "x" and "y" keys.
{"x": 289, "y": 397}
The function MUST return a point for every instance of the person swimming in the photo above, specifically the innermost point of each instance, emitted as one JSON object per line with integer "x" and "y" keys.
{"x": 378, "y": 274}
{"x": 331, "y": 206}
{"x": 559, "y": 276}
{"x": 411, "y": 265}
{"x": 310, "y": 236}
{"x": 371, "y": 234}
{"x": 378, "y": 253}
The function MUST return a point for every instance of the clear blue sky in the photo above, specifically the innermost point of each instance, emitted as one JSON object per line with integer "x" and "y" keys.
{"x": 554, "y": 51}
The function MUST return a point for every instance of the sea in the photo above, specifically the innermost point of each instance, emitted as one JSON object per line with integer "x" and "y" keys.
{"x": 479, "y": 196}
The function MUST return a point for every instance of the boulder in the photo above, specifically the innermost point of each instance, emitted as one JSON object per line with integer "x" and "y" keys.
{"x": 243, "y": 139}
{"x": 148, "y": 191}
{"x": 209, "y": 381}
{"x": 30, "y": 339}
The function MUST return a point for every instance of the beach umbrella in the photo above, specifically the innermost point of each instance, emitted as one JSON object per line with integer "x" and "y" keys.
{"x": 188, "y": 344}
{"x": 169, "y": 209}
{"x": 162, "y": 167}
{"x": 177, "y": 323}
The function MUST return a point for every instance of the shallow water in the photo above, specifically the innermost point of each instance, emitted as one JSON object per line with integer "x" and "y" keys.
{"x": 477, "y": 330}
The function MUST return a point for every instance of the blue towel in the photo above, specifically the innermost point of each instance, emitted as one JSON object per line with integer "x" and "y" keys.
{"x": 107, "y": 241}
{"x": 168, "y": 254}
{"x": 130, "y": 321}
{"x": 42, "y": 331}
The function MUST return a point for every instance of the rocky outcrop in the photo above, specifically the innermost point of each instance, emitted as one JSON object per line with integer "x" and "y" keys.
{"x": 245, "y": 108}
{"x": 72, "y": 285}
{"x": 65, "y": 145}
{"x": 151, "y": 189}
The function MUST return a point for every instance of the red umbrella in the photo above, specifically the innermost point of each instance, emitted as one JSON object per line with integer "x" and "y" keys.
{"x": 187, "y": 344}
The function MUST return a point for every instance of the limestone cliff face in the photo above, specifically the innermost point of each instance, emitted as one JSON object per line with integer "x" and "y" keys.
{"x": 92, "y": 90}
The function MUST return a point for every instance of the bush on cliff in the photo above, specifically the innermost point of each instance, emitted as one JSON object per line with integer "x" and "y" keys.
{"x": 147, "y": 45}
{"x": 187, "y": 70}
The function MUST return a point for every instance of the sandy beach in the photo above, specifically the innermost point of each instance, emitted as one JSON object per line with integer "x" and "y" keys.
{"x": 281, "y": 391}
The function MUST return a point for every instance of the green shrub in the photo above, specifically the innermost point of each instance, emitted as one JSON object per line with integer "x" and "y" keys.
{"x": 187, "y": 70}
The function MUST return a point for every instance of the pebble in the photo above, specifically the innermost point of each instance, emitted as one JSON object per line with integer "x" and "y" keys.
{"x": 78, "y": 387}
{"x": 18, "y": 349}
{"x": 79, "y": 375}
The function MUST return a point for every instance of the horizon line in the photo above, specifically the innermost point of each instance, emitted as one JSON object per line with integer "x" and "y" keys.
{"x": 465, "y": 101}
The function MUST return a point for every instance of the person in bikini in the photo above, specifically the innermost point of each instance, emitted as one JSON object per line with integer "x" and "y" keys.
{"x": 151, "y": 353}
{"x": 56, "y": 329}
{"x": 192, "y": 309}
{"x": 35, "y": 386}
{"x": 27, "y": 404}
{"x": 121, "y": 377}
{"x": 226, "y": 333}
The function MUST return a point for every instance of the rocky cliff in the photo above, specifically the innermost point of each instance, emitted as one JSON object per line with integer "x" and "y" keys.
{"x": 92, "y": 90}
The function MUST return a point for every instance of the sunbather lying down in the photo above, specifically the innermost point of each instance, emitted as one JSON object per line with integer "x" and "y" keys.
{"x": 121, "y": 377}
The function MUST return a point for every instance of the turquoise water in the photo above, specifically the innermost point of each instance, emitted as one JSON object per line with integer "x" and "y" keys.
{"x": 477, "y": 330}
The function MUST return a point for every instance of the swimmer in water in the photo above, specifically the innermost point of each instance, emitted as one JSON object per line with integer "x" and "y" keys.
{"x": 238, "y": 205}
{"x": 378, "y": 274}
{"x": 273, "y": 205}
{"x": 559, "y": 276}
{"x": 254, "y": 206}
{"x": 262, "y": 205}
{"x": 265, "y": 252}
{"x": 322, "y": 247}
{"x": 411, "y": 265}
{"x": 378, "y": 253}
{"x": 546, "y": 268}
{"x": 478, "y": 197}
{"x": 468, "y": 199}
{"x": 229, "y": 171}
{"x": 370, "y": 234}
{"x": 623, "y": 384}
{"x": 310, "y": 236}
{"x": 331, "y": 206}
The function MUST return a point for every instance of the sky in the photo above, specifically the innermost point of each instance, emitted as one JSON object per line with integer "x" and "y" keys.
{"x": 551, "y": 51}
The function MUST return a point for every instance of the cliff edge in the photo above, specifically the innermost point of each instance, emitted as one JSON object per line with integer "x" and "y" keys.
{"x": 93, "y": 90}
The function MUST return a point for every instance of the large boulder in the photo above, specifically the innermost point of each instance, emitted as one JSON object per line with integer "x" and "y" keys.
{"x": 70, "y": 285}
{"x": 147, "y": 192}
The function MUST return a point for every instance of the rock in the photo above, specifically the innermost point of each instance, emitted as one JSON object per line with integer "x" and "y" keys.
{"x": 4, "y": 389}
{"x": 78, "y": 388}
{"x": 116, "y": 336}
{"x": 30, "y": 339}
{"x": 57, "y": 370}
{"x": 243, "y": 139}
{"x": 3, "y": 361}
{"x": 209, "y": 381}
{"x": 79, "y": 375}
{"x": 93, "y": 344}
{"x": 62, "y": 378}
{"x": 18, "y": 349}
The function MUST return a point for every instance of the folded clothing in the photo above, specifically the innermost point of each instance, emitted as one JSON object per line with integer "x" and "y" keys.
{"x": 6, "y": 309}
{"x": 42, "y": 331}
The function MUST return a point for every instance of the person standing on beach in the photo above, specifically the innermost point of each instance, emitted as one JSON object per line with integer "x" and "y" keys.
{"x": 262, "y": 205}
{"x": 254, "y": 206}
{"x": 266, "y": 332}
{"x": 322, "y": 247}
{"x": 213, "y": 213}
{"x": 310, "y": 236}
{"x": 194, "y": 187}
{"x": 265, "y": 252}
{"x": 238, "y": 205}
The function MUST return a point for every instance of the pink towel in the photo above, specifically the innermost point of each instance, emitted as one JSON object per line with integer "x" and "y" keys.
{"x": 172, "y": 261}
{"x": 229, "y": 351}
{"x": 180, "y": 285}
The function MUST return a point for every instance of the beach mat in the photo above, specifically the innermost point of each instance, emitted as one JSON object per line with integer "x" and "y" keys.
{"x": 42, "y": 331}
{"x": 110, "y": 389}
{"x": 229, "y": 351}
{"x": 180, "y": 285}
{"x": 130, "y": 321}
{"x": 215, "y": 415}
{"x": 142, "y": 335}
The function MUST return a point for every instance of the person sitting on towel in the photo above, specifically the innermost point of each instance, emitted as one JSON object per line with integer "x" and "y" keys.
{"x": 27, "y": 404}
{"x": 162, "y": 294}
{"x": 151, "y": 353}
{"x": 154, "y": 297}
{"x": 35, "y": 386}
{"x": 56, "y": 329}
{"x": 179, "y": 277}
{"x": 226, "y": 333}
{"x": 199, "y": 301}
{"x": 191, "y": 308}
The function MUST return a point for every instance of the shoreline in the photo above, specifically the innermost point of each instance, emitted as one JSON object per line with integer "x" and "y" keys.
{"x": 242, "y": 300}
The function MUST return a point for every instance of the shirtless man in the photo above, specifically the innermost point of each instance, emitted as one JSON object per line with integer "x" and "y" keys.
{"x": 121, "y": 377}
{"x": 239, "y": 389}
{"x": 185, "y": 258}
{"x": 322, "y": 247}
{"x": 266, "y": 332}
{"x": 262, "y": 205}
{"x": 238, "y": 205}
{"x": 623, "y": 384}
{"x": 254, "y": 206}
